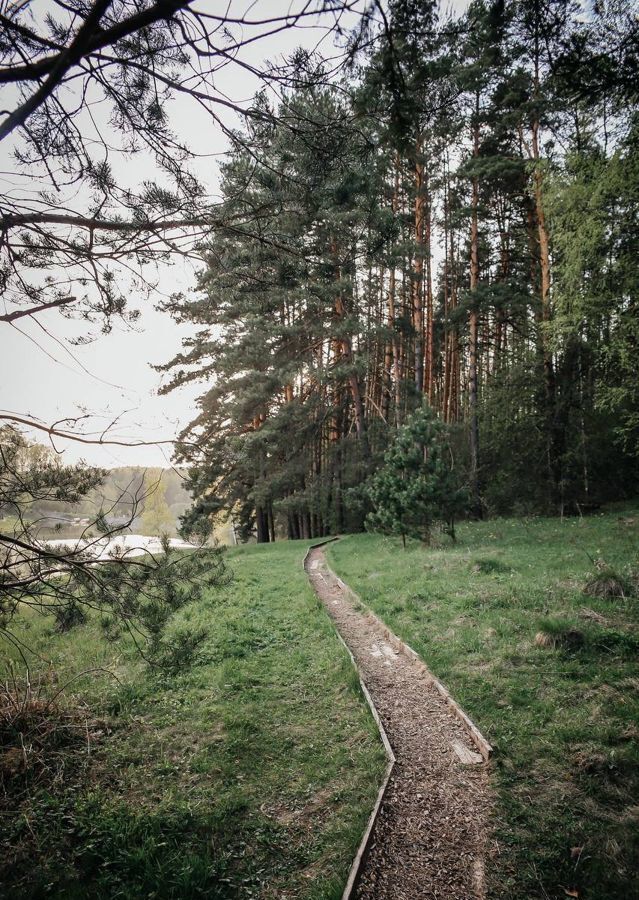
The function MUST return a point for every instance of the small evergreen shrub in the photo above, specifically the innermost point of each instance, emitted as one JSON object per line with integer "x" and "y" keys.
{"x": 416, "y": 487}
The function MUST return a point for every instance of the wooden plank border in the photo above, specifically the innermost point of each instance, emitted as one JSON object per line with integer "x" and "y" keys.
{"x": 362, "y": 850}
{"x": 477, "y": 737}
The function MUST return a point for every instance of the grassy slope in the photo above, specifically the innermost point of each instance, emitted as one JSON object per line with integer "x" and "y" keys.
{"x": 565, "y": 724}
{"x": 252, "y": 775}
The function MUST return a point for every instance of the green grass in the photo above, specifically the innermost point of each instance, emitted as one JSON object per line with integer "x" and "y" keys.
{"x": 565, "y": 722}
{"x": 251, "y": 775}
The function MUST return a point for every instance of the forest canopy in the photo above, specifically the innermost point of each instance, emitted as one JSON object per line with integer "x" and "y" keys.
{"x": 453, "y": 221}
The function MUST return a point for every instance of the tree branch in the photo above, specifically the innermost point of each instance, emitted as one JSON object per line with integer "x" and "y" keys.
{"x": 162, "y": 9}
{"x": 20, "y": 313}
{"x": 52, "y": 431}
{"x": 62, "y": 64}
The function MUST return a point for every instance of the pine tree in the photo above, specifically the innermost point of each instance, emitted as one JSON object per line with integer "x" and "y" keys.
{"x": 415, "y": 231}
{"x": 415, "y": 487}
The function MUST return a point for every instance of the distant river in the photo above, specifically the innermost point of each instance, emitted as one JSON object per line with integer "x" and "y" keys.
{"x": 122, "y": 545}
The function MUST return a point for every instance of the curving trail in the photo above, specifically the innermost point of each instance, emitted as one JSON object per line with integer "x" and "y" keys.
{"x": 429, "y": 837}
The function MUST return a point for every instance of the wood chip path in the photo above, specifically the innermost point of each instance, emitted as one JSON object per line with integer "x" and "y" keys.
{"x": 429, "y": 837}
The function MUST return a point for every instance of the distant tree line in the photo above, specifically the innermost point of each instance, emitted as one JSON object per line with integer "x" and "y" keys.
{"x": 456, "y": 224}
{"x": 151, "y": 499}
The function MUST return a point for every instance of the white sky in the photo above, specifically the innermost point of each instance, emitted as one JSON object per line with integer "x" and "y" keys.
{"x": 48, "y": 378}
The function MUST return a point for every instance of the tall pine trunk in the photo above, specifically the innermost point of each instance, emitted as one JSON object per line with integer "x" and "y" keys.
{"x": 346, "y": 353}
{"x": 430, "y": 331}
{"x": 473, "y": 338}
{"x": 261, "y": 521}
{"x": 553, "y": 439}
{"x": 418, "y": 269}
{"x": 392, "y": 372}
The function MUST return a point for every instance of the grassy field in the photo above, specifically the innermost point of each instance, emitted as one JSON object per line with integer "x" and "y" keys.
{"x": 564, "y": 717}
{"x": 251, "y": 775}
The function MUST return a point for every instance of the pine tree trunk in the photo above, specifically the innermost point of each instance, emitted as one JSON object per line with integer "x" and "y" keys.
{"x": 447, "y": 362}
{"x": 418, "y": 270}
{"x": 554, "y": 460}
{"x": 455, "y": 375}
{"x": 473, "y": 339}
{"x": 430, "y": 347}
{"x": 261, "y": 521}
{"x": 391, "y": 357}
{"x": 336, "y": 396}
{"x": 500, "y": 318}
{"x": 346, "y": 353}
{"x": 388, "y": 347}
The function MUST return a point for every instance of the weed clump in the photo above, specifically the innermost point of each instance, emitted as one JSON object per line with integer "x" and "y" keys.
{"x": 38, "y": 731}
{"x": 607, "y": 583}
{"x": 557, "y": 634}
{"x": 610, "y": 640}
{"x": 489, "y": 566}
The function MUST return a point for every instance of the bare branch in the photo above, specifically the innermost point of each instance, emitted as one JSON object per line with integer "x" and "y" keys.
{"x": 53, "y": 431}
{"x": 32, "y": 311}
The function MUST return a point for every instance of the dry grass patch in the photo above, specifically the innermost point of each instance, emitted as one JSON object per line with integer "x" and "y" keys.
{"x": 607, "y": 583}
{"x": 558, "y": 635}
{"x": 41, "y": 731}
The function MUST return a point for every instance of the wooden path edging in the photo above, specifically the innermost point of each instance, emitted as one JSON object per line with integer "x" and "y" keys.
{"x": 478, "y": 738}
{"x": 360, "y": 856}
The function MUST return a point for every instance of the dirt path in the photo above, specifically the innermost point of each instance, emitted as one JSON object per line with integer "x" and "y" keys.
{"x": 428, "y": 839}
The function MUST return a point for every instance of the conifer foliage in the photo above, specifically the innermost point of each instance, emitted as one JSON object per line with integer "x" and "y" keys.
{"x": 454, "y": 223}
{"x": 416, "y": 486}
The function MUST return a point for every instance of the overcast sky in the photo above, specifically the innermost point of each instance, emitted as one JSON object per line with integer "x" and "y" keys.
{"x": 45, "y": 376}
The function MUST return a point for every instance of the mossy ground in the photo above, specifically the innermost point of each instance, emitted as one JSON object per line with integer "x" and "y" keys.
{"x": 250, "y": 775}
{"x": 564, "y": 721}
